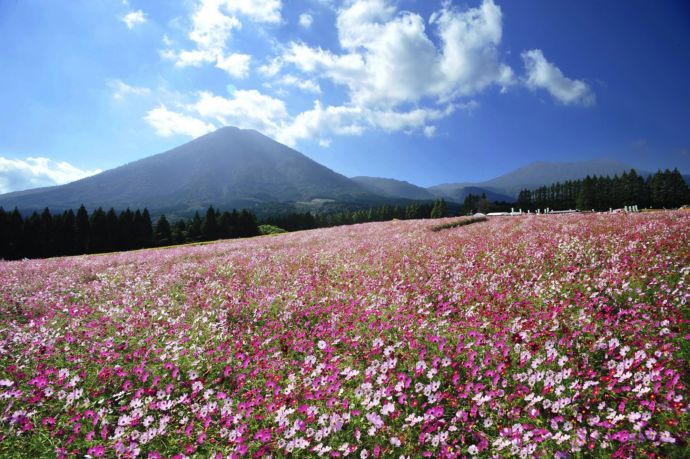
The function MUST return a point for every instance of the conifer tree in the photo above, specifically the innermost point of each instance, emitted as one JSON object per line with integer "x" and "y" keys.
{"x": 113, "y": 233}
{"x": 98, "y": 234}
{"x": 147, "y": 228}
{"x": 163, "y": 235}
{"x": 83, "y": 230}
{"x": 126, "y": 225}
{"x": 46, "y": 235}
{"x": 4, "y": 234}
{"x": 179, "y": 232}
{"x": 68, "y": 235}
{"x": 194, "y": 228}
{"x": 585, "y": 199}
{"x": 209, "y": 228}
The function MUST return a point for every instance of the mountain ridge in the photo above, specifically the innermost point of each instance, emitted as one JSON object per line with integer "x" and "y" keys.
{"x": 234, "y": 168}
{"x": 394, "y": 188}
{"x": 540, "y": 173}
{"x": 227, "y": 168}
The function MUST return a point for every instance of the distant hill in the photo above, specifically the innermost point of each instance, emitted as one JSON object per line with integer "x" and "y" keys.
{"x": 459, "y": 191}
{"x": 394, "y": 188}
{"x": 542, "y": 173}
{"x": 227, "y": 168}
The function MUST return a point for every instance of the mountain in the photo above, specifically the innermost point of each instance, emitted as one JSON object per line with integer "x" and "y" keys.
{"x": 459, "y": 191}
{"x": 227, "y": 168}
{"x": 394, "y": 188}
{"x": 240, "y": 168}
{"x": 540, "y": 173}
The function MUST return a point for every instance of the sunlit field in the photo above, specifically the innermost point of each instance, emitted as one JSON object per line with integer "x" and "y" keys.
{"x": 547, "y": 336}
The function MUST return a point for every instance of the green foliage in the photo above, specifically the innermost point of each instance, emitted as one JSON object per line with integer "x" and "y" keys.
{"x": 47, "y": 235}
{"x": 440, "y": 209}
{"x": 474, "y": 203}
{"x": 457, "y": 223}
{"x": 163, "y": 232}
{"x": 665, "y": 189}
{"x": 270, "y": 229}
{"x": 209, "y": 228}
{"x": 303, "y": 221}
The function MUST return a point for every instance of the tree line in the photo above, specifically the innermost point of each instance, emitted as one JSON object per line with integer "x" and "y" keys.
{"x": 44, "y": 234}
{"x": 664, "y": 189}
{"x": 480, "y": 203}
{"x": 302, "y": 221}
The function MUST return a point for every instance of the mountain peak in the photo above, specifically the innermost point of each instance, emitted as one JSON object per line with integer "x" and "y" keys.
{"x": 227, "y": 168}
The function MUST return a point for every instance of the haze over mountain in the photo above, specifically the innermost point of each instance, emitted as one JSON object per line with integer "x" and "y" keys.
{"x": 394, "y": 188}
{"x": 458, "y": 192}
{"x": 227, "y": 168}
{"x": 537, "y": 174}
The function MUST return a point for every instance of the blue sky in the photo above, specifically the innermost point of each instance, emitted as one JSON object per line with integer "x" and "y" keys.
{"x": 425, "y": 91}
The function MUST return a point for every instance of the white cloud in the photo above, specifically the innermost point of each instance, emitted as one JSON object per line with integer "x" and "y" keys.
{"x": 301, "y": 83}
{"x": 306, "y": 20}
{"x": 390, "y": 60}
{"x": 543, "y": 74}
{"x": 168, "y": 123}
{"x": 257, "y": 10}
{"x": 470, "y": 60}
{"x": 347, "y": 69}
{"x": 361, "y": 22}
{"x": 245, "y": 109}
{"x": 430, "y": 131}
{"x": 33, "y": 172}
{"x": 213, "y": 22}
{"x": 399, "y": 72}
{"x": 133, "y": 18}
{"x": 236, "y": 65}
{"x": 271, "y": 68}
{"x": 320, "y": 122}
{"x": 251, "y": 109}
{"x": 122, "y": 89}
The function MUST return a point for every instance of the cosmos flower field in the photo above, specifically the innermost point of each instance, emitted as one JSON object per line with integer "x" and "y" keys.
{"x": 533, "y": 336}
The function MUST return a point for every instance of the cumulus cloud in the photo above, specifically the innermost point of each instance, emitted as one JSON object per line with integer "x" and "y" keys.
{"x": 542, "y": 74}
{"x": 236, "y": 65}
{"x": 133, "y": 18}
{"x": 399, "y": 72}
{"x": 321, "y": 122}
{"x": 271, "y": 68}
{"x": 306, "y": 20}
{"x": 300, "y": 83}
{"x": 122, "y": 89}
{"x": 168, "y": 123}
{"x": 252, "y": 109}
{"x": 257, "y": 10}
{"x": 397, "y": 78}
{"x": 213, "y": 22}
{"x": 246, "y": 108}
{"x": 33, "y": 172}
{"x": 389, "y": 58}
